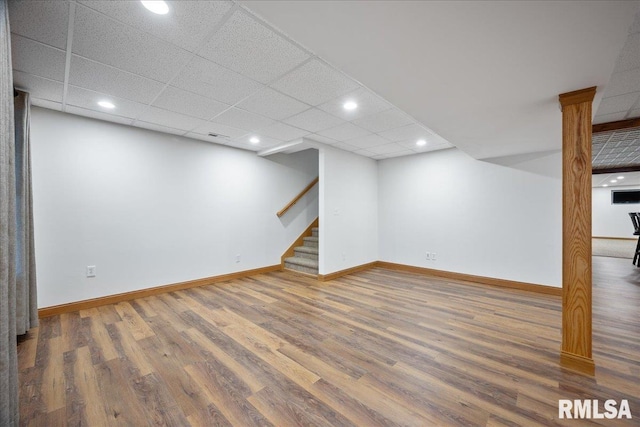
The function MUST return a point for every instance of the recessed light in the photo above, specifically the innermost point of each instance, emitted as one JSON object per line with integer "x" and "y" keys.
{"x": 254, "y": 140}
{"x": 613, "y": 181}
{"x": 620, "y": 177}
{"x": 106, "y": 104}
{"x": 605, "y": 185}
{"x": 350, "y": 105}
{"x": 421, "y": 142}
{"x": 159, "y": 7}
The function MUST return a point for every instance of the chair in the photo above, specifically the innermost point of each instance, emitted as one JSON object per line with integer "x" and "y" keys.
{"x": 635, "y": 220}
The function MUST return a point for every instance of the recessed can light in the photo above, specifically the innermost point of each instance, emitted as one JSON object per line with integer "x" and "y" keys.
{"x": 106, "y": 104}
{"x": 350, "y": 105}
{"x": 620, "y": 177}
{"x": 421, "y": 142}
{"x": 605, "y": 185}
{"x": 254, "y": 140}
{"x": 159, "y": 7}
{"x": 613, "y": 181}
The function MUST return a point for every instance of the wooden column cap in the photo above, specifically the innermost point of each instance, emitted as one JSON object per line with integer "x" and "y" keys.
{"x": 577, "y": 96}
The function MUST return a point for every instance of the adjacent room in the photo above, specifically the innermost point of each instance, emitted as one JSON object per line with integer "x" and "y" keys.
{"x": 371, "y": 213}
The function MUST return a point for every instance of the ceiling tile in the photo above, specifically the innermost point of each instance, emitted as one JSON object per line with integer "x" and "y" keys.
{"x": 314, "y": 120}
{"x": 617, "y": 104}
{"x": 158, "y": 128}
{"x": 220, "y": 129}
{"x": 629, "y": 57}
{"x": 38, "y": 87}
{"x": 344, "y": 131}
{"x": 398, "y": 154}
{"x": 283, "y": 132}
{"x": 344, "y": 146}
{"x": 186, "y": 25}
{"x": 368, "y": 103}
{"x": 365, "y": 153}
{"x": 384, "y": 120}
{"x": 206, "y": 138}
{"x": 213, "y": 81}
{"x": 388, "y": 148}
{"x": 181, "y": 101}
{"x": 97, "y": 115}
{"x": 103, "y": 78}
{"x": 322, "y": 139}
{"x": 37, "y": 59}
{"x": 272, "y": 104}
{"x": 412, "y": 131}
{"x": 88, "y": 99}
{"x": 367, "y": 141}
{"x": 315, "y": 83}
{"x": 265, "y": 142}
{"x": 245, "y": 45}
{"x": 105, "y": 40}
{"x": 44, "y": 21}
{"x": 169, "y": 119}
{"x": 606, "y": 118}
{"x": 241, "y": 119}
{"x": 47, "y": 104}
{"x": 623, "y": 82}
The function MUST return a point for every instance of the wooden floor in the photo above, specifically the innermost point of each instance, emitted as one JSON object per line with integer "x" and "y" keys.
{"x": 375, "y": 348}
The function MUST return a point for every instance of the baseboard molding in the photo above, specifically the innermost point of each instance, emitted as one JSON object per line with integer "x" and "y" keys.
{"x": 357, "y": 268}
{"x": 635, "y": 239}
{"x": 549, "y": 290}
{"x": 575, "y": 362}
{"x": 143, "y": 293}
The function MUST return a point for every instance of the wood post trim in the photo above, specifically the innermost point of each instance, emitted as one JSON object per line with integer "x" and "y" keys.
{"x": 576, "y": 230}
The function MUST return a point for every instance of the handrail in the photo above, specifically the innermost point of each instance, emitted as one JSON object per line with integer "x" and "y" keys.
{"x": 298, "y": 197}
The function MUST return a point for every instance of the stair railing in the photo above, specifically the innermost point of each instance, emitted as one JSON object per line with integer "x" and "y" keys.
{"x": 297, "y": 198}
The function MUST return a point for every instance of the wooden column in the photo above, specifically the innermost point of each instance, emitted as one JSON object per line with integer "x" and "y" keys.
{"x": 576, "y": 230}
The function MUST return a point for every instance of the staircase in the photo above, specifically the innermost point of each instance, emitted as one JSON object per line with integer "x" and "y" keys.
{"x": 305, "y": 259}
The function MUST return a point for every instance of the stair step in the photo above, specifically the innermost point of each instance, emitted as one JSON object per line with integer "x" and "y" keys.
{"x": 303, "y": 265}
{"x": 311, "y": 242}
{"x": 314, "y": 231}
{"x": 306, "y": 252}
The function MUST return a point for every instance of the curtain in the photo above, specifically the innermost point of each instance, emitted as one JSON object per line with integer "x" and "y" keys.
{"x": 8, "y": 351}
{"x": 26, "y": 297}
{"x": 18, "y": 302}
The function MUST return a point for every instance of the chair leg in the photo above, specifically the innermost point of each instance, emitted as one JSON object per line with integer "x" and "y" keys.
{"x": 636, "y": 256}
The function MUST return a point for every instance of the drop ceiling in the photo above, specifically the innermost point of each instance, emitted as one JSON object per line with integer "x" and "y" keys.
{"x": 205, "y": 68}
{"x": 483, "y": 76}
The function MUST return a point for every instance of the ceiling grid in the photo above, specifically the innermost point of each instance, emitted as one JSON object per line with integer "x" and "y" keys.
{"x": 176, "y": 74}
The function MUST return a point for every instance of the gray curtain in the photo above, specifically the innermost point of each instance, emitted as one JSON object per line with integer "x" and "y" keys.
{"x": 26, "y": 298}
{"x": 18, "y": 303}
{"x": 8, "y": 353}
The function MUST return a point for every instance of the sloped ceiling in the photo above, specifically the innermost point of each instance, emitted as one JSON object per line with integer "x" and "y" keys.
{"x": 484, "y": 75}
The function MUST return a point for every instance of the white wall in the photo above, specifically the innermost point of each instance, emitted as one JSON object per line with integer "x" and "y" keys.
{"x": 479, "y": 218}
{"x": 150, "y": 209}
{"x": 609, "y": 220}
{"x": 348, "y": 210}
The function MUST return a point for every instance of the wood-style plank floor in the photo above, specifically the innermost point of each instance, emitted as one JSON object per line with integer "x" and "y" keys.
{"x": 377, "y": 348}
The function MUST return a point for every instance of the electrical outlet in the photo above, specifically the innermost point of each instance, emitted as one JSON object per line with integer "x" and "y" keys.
{"x": 91, "y": 271}
{"x": 433, "y": 256}
{"x": 428, "y": 255}
{"x": 238, "y": 258}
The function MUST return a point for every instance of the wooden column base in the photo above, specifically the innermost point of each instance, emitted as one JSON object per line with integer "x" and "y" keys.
{"x": 575, "y": 362}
